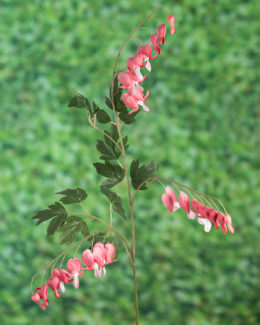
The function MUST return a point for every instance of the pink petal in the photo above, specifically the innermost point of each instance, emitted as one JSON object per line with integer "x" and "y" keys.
{"x": 184, "y": 201}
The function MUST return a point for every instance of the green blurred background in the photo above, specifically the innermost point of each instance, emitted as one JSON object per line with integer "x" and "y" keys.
{"x": 202, "y": 130}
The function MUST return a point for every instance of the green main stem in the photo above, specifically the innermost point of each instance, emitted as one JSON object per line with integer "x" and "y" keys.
{"x": 131, "y": 202}
{"x": 131, "y": 218}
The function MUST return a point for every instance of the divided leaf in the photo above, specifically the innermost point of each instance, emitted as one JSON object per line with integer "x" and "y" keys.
{"x": 128, "y": 118}
{"x": 110, "y": 171}
{"x": 115, "y": 200}
{"x": 140, "y": 174}
{"x": 79, "y": 101}
{"x": 102, "y": 116}
{"x": 73, "y": 195}
{"x": 71, "y": 229}
{"x": 107, "y": 153}
{"x": 55, "y": 210}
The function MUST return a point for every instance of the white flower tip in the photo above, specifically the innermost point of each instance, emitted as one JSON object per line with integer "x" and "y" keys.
{"x": 191, "y": 215}
{"x": 176, "y": 206}
{"x": 148, "y": 66}
{"x": 62, "y": 287}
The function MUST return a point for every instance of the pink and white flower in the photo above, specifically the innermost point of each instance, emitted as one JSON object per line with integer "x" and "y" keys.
{"x": 185, "y": 204}
{"x": 169, "y": 200}
{"x": 128, "y": 79}
{"x": 146, "y": 50}
{"x": 134, "y": 64}
{"x": 134, "y": 98}
{"x": 63, "y": 276}
{"x": 75, "y": 269}
{"x": 99, "y": 258}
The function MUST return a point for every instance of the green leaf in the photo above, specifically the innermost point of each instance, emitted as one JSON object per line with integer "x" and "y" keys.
{"x": 115, "y": 87}
{"x": 102, "y": 116}
{"x": 104, "y": 169}
{"x": 101, "y": 147}
{"x": 95, "y": 107}
{"x": 115, "y": 200}
{"x": 55, "y": 224}
{"x": 128, "y": 118}
{"x": 110, "y": 182}
{"x": 55, "y": 210}
{"x": 108, "y": 103}
{"x": 110, "y": 171}
{"x": 73, "y": 195}
{"x": 68, "y": 237}
{"x": 79, "y": 101}
{"x": 84, "y": 229}
{"x": 125, "y": 142}
{"x": 71, "y": 228}
{"x": 134, "y": 167}
{"x": 139, "y": 175}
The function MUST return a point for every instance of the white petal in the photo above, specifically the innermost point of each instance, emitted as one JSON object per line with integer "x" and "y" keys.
{"x": 76, "y": 281}
{"x": 176, "y": 206}
{"x": 148, "y": 66}
{"x": 62, "y": 287}
{"x": 201, "y": 221}
{"x": 138, "y": 73}
{"x": 145, "y": 107}
{"x": 207, "y": 226}
{"x": 191, "y": 215}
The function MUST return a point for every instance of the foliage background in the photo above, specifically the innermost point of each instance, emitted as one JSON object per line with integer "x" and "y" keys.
{"x": 202, "y": 130}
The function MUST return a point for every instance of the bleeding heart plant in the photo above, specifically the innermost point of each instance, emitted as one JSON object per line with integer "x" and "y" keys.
{"x": 125, "y": 92}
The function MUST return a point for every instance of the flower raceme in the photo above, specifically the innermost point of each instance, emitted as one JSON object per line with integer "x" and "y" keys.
{"x": 132, "y": 77}
{"x": 96, "y": 260}
{"x": 206, "y": 215}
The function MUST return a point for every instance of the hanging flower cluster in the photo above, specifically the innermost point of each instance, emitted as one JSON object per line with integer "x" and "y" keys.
{"x": 206, "y": 215}
{"x": 100, "y": 256}
{"x": 132, "y": 77}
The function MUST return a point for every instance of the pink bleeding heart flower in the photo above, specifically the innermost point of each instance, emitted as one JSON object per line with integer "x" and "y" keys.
{"x": 154, "y": 39}
{"x": 205, "y": 212}
{"x": 75, "y": 269}
{"x": 169, "y": 200}
{"x": 128, "y": 79}
{"x": 63, "y": 275}
{"x": 88, "y": 259}
{"x": 197, "y": 206}
{"x": 134, "y": 98}
{"x": 146, "y": 50}
{"x": 228, "y": 221}
{"x": 185, "y": 204}
{"x": 99, "y": 259}
{"x": 162, "y": 33}
{"x": 36, "y": 298}
{"x": 54, "y": 284}
{"x": 207, "y": 224}
{"x": 222, "y": 222}
{"x": 109, "y": 253}
{"x": 134, "y": 64}
{"x": 171, "y": 22}
{"x": 213, "y": 217}
{"x": 43, "y": 293}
